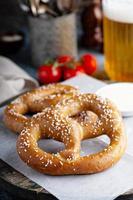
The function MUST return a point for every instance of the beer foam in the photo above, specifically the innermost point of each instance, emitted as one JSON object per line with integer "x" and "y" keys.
{"x": 119, "y": 10}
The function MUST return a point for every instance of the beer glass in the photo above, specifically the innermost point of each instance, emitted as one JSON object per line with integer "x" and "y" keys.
{"x": 118, "y": 39}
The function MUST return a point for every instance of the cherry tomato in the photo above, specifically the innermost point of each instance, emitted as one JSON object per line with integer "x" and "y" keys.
{"x": 89, "y": 63}
{"x": 49, "y": 74}
{"x": 71, "y": 72}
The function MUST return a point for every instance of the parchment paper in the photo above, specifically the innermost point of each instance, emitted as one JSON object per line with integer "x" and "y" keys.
{"x": 103, "y": 186}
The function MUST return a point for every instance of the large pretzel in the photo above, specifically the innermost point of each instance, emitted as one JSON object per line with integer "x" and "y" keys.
{"x": 33, "y": 102}
{"x": 55, "y": 122}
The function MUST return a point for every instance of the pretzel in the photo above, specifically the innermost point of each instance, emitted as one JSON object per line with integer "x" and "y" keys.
{"x": 33, "y": 102}
{"x": 56, "y": 122}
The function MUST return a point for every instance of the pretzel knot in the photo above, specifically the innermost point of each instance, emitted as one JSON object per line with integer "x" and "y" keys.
{"x": 57, "y": 123}
{"x": 33, "y": 102}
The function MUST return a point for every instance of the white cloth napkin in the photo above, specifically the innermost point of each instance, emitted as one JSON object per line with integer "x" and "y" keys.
{"x": 102, "y": 186}
{"x": 13, "y": 80}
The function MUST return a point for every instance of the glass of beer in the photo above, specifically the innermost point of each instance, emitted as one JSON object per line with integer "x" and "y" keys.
{"x": 118, "y": 39}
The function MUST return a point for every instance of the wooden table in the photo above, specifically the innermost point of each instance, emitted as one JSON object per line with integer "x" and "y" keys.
{"x": 20, "y": 187}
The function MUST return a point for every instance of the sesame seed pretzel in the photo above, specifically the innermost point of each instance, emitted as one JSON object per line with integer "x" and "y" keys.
{"x": 56, "y": 122}
{"x": 33, "y": 102}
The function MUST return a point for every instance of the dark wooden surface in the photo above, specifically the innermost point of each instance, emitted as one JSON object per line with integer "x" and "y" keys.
{"x": 20, "y": 187}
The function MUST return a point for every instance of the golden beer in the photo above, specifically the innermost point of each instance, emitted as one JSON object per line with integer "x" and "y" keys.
{"x": 118, "y": 40}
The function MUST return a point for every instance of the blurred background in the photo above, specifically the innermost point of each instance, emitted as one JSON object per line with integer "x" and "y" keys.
{"x": 36, "y": 30}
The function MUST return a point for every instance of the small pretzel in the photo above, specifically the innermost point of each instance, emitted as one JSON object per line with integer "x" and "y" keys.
{"x": 33, "y": 102}
{"x": 56, "y": 122}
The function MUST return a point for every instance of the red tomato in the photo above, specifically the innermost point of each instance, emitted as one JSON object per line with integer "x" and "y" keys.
{"x": 89, "y": 63}
{"x": 71, "y": 72}
{"x": 64, "y": 59}
{"x": 49, "y": 74}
